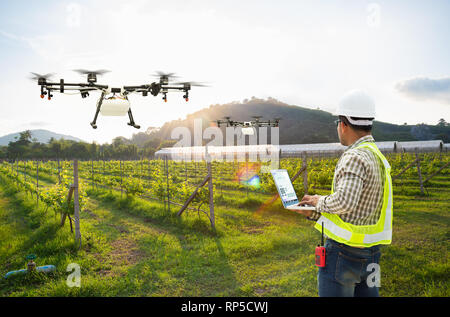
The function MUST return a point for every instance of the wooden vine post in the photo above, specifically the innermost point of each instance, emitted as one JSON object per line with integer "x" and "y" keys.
{"x": 420, "y": 173}
{"x": 73, "y": 191}
{"x": 211, "y": 197}
{"x": 166, "y": 167}
{"x": 305, "y": 173}
{"x": 37, "y": 183}
{"x": 208, "y": 179}
{"x": 76, "y": 202}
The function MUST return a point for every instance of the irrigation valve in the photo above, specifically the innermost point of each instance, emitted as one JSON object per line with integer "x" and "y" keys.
{"x": 31, "y": 265}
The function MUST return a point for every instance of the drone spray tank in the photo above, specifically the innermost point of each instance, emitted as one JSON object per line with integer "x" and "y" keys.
{"x": 248, "y": 128}
{"x": 115, "y": 106}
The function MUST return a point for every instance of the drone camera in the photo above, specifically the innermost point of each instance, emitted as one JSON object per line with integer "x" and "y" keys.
{"x": 84, "y": 94}
{"x": 186, "y": 96}
{"x": 247, "y": 124}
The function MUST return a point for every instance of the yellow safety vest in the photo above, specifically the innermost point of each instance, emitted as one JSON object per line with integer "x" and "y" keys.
{"x": 363, "y": 236}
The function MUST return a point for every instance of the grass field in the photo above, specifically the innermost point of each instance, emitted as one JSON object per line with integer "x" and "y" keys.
{"x": 133, "y": 247}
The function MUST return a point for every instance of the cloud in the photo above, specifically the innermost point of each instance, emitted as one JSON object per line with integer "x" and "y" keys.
{"x": 426, "y": 89}
{"x": 37, "y": 124}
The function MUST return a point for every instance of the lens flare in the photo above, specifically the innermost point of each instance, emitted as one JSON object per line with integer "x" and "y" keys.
{"x": 248, "y": 175}
{"x": 254, "y": 181}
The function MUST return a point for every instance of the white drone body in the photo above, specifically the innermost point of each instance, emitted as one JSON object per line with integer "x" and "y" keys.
{"x": 115, "y": 106}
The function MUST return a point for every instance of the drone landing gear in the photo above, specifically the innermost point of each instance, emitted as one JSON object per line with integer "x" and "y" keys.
{"x": 132, "y": 123}
{"x": 99, "y": 105}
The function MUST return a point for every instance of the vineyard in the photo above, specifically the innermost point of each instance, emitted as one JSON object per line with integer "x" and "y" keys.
{"x": 134, "y": 243}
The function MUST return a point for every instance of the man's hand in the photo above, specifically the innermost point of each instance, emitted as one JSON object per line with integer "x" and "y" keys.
{"x": 310, "y": 200}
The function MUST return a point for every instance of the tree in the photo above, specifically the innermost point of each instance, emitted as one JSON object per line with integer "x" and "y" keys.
{"x": 93, "y": 150}
{"x": 3, "y": 151}
{"x": 19, "y": 148}
{"x": 55, "y": 148}
{"x": 120, "y": 140}
{"x": 140, "y": 138}
{"x": 442, "y": 123}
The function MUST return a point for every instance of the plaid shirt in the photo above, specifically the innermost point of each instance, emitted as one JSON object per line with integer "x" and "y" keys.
{"x": 358, "y": 187}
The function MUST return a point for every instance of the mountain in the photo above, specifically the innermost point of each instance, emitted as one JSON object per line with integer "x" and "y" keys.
{"x": 42, "y": 136}
{"x": 301, "y": 125}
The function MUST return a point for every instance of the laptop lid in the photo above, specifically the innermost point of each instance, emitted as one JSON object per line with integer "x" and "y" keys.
{"x": 284, "y": 187}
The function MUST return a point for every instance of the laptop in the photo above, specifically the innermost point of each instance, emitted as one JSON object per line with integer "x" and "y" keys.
{"x": 287, "y": 192}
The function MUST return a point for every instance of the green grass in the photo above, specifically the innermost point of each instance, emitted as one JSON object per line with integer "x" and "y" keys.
{"x": 133, "y": 247}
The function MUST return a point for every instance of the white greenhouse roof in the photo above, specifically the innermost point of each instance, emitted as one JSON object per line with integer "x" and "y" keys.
{"x": 216, "y": 152}
{"x": 432, "y": 145}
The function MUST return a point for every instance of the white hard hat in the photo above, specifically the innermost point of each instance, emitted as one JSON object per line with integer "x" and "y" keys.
{"x": 356, "y": 103}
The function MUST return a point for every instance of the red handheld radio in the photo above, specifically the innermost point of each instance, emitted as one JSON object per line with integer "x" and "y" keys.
{"x": 320, "y": 253}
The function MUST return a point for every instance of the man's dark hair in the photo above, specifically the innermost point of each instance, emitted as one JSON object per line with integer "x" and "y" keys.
{"x": 362, "y": 128}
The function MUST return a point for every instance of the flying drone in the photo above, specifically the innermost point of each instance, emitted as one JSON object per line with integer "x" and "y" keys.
{"x": 247, "y": 126}
{"x": 110, "y": 104}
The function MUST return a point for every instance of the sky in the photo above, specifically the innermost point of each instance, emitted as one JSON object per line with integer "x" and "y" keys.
{"x": 305, "y": 53}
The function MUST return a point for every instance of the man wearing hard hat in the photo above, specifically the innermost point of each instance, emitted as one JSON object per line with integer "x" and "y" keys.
{"x": 356, "y": 217}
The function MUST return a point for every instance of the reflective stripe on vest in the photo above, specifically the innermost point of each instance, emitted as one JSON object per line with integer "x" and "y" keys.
{"x": 368, "y": 235}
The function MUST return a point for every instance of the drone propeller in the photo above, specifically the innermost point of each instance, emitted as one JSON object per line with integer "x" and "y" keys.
{"x": 162, "y": 74}
{"x": 87, "y": 72}
{"x": 91, "y": 74}
{"x": 37, "y": 76}
{"x": 164, "y": 77}
{"x": 191, "y": 83}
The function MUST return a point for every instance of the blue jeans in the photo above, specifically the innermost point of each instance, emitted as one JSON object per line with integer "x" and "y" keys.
{"x": 345, "y": 272}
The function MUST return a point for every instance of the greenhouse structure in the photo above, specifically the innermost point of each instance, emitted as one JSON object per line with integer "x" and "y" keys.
{"x": 270, "y": 151}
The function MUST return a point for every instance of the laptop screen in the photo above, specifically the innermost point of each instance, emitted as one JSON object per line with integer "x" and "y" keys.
{"x": 285, "y": 188}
